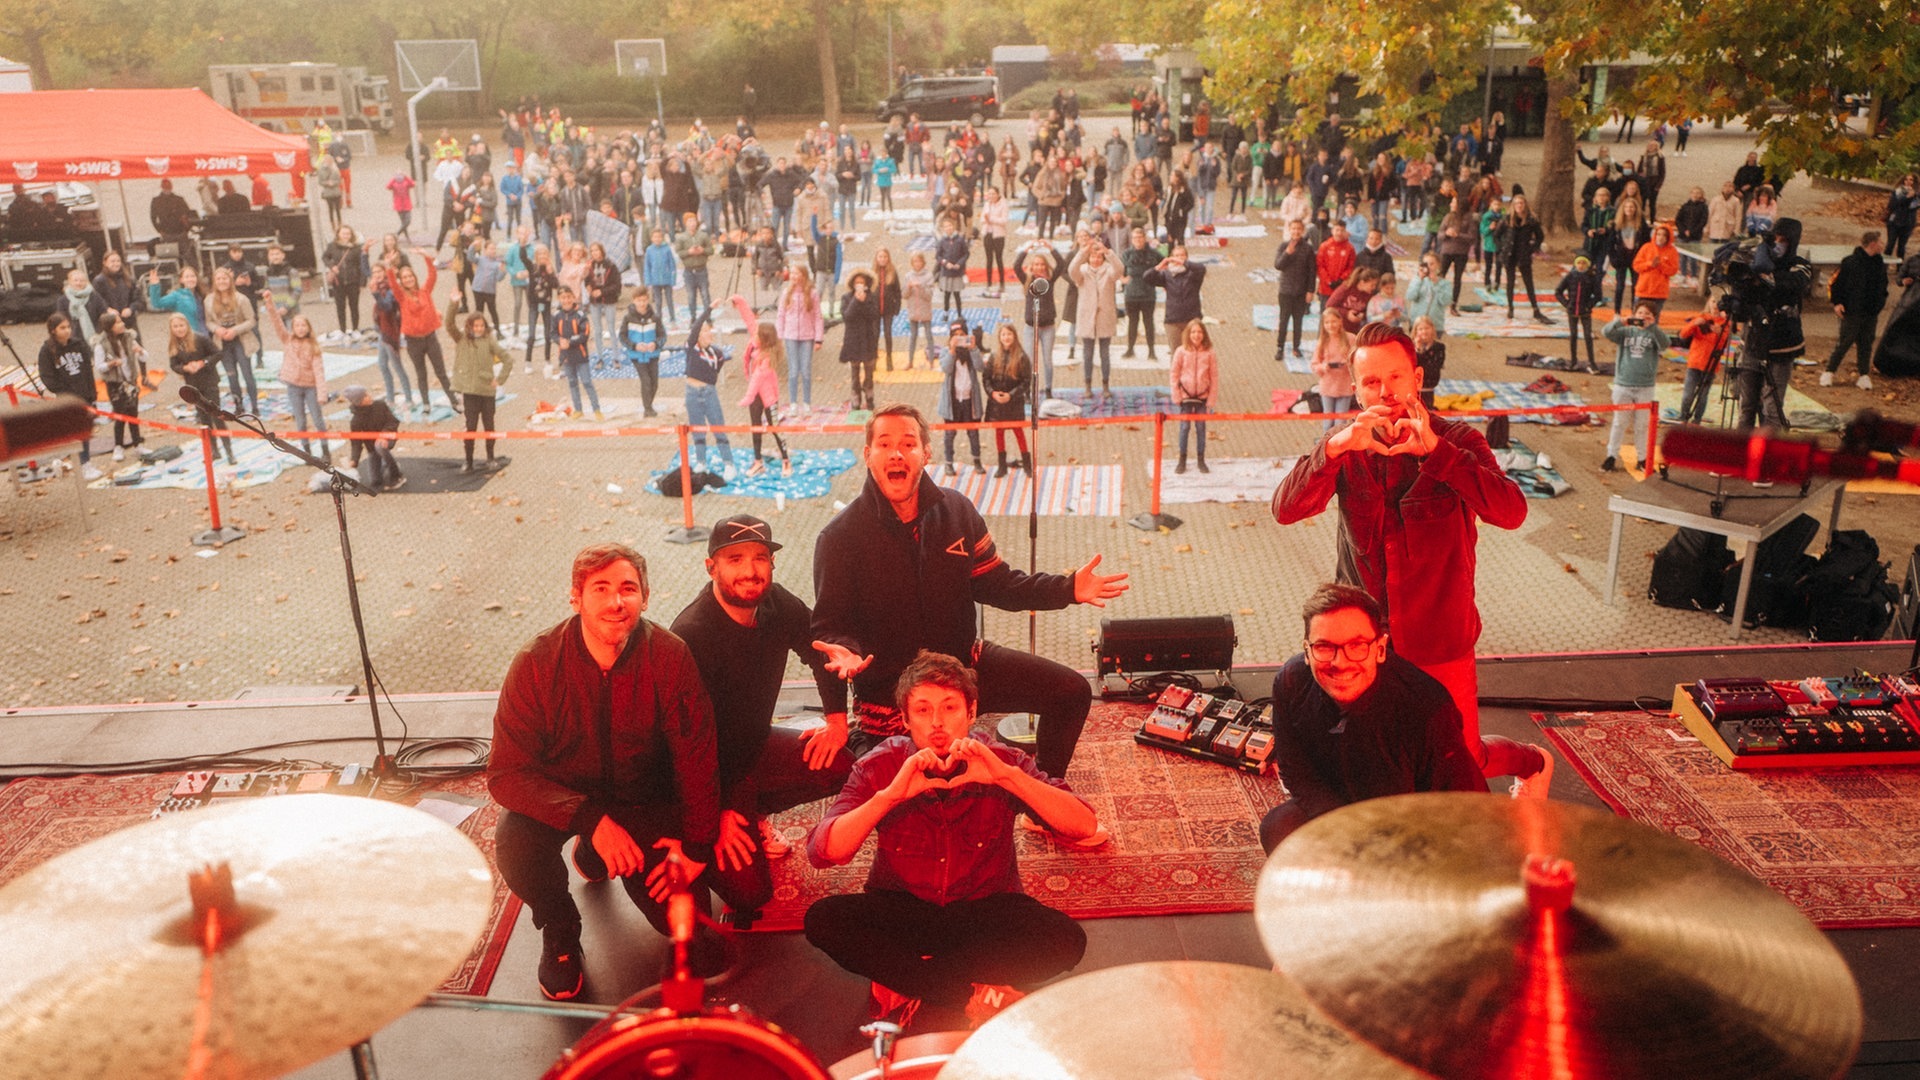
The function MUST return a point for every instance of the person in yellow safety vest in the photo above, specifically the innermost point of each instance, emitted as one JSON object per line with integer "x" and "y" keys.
{"x": 445, "y": 147}
{"x": 322, "y": 136}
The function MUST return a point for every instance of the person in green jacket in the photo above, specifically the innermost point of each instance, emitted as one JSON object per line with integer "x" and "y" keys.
{"x": 480, "y": 367}
{"x": 1640, "y": 342}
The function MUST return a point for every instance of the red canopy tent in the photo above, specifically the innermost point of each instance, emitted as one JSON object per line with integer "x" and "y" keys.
{"x": 51, "y": 135}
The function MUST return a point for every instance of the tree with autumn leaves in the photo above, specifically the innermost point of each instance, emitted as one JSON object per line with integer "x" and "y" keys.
{"x": 1781, "y": 68}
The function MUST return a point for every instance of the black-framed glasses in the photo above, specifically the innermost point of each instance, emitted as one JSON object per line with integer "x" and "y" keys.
{"x": 1324, "y": 651}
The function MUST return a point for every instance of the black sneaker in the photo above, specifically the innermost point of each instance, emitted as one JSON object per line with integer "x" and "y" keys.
{"x": 1608, "y": 465}
{"x": 561, "y": 972}
{"x": 587, "y": 862}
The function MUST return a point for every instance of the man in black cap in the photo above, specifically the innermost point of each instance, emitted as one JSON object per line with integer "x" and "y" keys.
{"x": 740, "y": 631}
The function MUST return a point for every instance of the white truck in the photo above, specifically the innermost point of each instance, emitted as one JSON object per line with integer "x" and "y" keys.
{"x": 295, "y": 97}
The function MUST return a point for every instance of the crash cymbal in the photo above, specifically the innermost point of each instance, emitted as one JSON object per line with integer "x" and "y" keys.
{"x": 349, "y": 912}
{"x": 1407, "y": 920}
{"x": 1167, "y": 1021}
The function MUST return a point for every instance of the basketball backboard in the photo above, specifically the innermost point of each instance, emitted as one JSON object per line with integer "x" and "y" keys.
{"x": 641, "y": 57}
{"x": 420, "y": 62}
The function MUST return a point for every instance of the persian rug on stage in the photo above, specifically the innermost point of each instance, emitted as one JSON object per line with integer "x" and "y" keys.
{"x": 1186, "y": 836}
{"x": 1843, "y": 844}
{"x": 42, "y": 818}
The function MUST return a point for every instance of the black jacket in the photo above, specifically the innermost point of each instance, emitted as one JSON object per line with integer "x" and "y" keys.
{"x": 571, "y": 743}
{"x": 1860, "y": 284}
{"x": 207, "y": 379}
{"x": 1298, "y": 271}
{"x": 742, "y": 667}
{"x": 1183, "y": 292}
{"x": 1040, "y": 311}
{"x": 885, "y": 588}
{"x": 68, "y": 369}
{"x": 1690, "y": 221}
{"x": 1579, "y": 293}
{"x": 1365, "y": 258}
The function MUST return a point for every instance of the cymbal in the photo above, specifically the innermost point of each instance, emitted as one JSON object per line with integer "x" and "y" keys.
{"x": 353, "y": 911}
{"x": 1167, "y": 1020}
{"x": 1407, "y": 920}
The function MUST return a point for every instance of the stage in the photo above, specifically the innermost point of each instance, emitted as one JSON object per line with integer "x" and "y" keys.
{"x": 784, "y": 980}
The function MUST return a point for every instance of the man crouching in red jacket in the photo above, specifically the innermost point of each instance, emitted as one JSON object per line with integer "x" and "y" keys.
{"x": 604, "y": 732}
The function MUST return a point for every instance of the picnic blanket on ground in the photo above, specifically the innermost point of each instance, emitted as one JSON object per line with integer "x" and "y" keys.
{"x": 1802, "y": 411}
{"x": 258, "y": 464}
{"x": 1492, "y": 322}
{"x": 613, "y": 364}
{"x": 1240, "y": 232}
{"x": 1533, "y": 472}
{"x": 1505, "y": 395}
{"x": 1229, "y": 480}
{"x": 1123, "y": 401}
{"x": 1411, "y": 228}
{"x": 1065, "y": 490}
{"x": 813, "y": 470}
{"x": 1557, "y": 363}
{"x": 1067, "y": 353}
{"x": 985, "y": 319}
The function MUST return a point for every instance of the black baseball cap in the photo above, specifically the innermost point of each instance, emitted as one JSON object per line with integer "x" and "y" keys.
{"x": 740, "y": 529}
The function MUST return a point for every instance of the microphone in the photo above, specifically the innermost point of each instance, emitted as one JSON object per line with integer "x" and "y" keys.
{"x": 1760, "y": 456}
{"x": 198, "y": 400}
{"x": 37, "y": 426}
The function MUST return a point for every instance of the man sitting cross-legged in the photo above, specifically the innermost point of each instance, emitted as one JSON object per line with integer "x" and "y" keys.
{"x": 943, "y": 918}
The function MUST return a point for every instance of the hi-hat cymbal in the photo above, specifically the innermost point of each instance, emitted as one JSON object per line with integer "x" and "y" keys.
{"x": 1170, "y": 1020}
{"x": 1406, "y": 919}
{"x": 354, "y": 910}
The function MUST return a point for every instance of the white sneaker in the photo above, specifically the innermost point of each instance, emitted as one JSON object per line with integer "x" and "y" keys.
{"x": 119, "y": 454}
{"x": 1863, "y": 383}
{"x": 1535, "y": 786}
{"x": 1826, "y": 378}
{"x": 772, "y": 842}
{"x": 90, "y": 473}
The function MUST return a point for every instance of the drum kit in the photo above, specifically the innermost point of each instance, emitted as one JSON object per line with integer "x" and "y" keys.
{"x": 1448, "y": 935}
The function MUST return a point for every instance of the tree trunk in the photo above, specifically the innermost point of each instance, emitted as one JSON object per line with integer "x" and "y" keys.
{"x": 1553, "y": 200}
{"x": 829, "y": 71}
{"x": 35, "y": 43}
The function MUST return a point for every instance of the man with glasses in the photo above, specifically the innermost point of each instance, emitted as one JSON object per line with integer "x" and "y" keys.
{"x": 1413, "y": 489}
{"x": 1354, "y": 721}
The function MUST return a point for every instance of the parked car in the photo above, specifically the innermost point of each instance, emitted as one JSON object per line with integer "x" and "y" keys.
{"x": 962, "y": 97}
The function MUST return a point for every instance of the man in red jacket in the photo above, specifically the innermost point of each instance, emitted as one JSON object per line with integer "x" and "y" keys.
{"x": 1412, "y": 487}
{"x": 1333, "y": 262}
{"x": 604, "y": 733}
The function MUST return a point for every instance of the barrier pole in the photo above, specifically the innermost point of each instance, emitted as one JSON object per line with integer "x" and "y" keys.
{"x": 1653, "y": 436}
{"x": 686, "y": 532}
{"x": 219, "y": 534}
{"x": 1154, "y": 520}
{"x": 13, "y": 396}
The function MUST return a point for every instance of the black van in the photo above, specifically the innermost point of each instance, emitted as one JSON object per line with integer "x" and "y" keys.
{"x": 945, "y": 97}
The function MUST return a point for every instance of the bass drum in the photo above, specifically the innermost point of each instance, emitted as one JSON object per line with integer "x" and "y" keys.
{"x": 718, "y": 1044}
{"x": 916, "y": 1057}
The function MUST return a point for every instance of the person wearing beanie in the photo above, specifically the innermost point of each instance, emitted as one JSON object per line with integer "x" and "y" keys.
{"x": 1579, "y": 293}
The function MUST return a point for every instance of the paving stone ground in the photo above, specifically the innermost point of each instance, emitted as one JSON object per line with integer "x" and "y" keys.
{"x": 105, "y": 601}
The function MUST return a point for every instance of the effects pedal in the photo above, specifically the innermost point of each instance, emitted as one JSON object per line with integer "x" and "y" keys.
{"x": 1736, "y": 699}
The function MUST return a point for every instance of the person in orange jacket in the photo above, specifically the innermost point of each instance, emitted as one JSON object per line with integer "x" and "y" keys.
{"x": 1706, "y": 336}
{"x": 1655, "y": 264}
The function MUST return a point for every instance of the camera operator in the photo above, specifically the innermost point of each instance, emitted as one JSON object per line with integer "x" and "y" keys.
{"x": 1767, "y": 297}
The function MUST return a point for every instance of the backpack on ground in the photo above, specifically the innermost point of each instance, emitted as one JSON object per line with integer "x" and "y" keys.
{"x": 1849, "y": 595}
{"x": 1779, "y": 563}
{"x": 1687, "y": 571}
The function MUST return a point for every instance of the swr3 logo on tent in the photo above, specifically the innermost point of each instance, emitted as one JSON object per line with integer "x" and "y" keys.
{"x": 26, "y": 170}
{"x": 158, "y": 166}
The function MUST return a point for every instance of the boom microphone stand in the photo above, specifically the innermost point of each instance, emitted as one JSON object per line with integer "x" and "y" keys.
{"x": 383, "y": 765}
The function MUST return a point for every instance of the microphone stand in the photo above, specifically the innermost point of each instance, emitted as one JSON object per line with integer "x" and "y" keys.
{"x": 383, "y": 763}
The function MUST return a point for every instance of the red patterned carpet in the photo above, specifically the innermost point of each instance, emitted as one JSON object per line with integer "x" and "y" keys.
{"x": 1842, "y": 844}
{"x": 1186, "y": 836}
{"x": 40, "y": 819}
